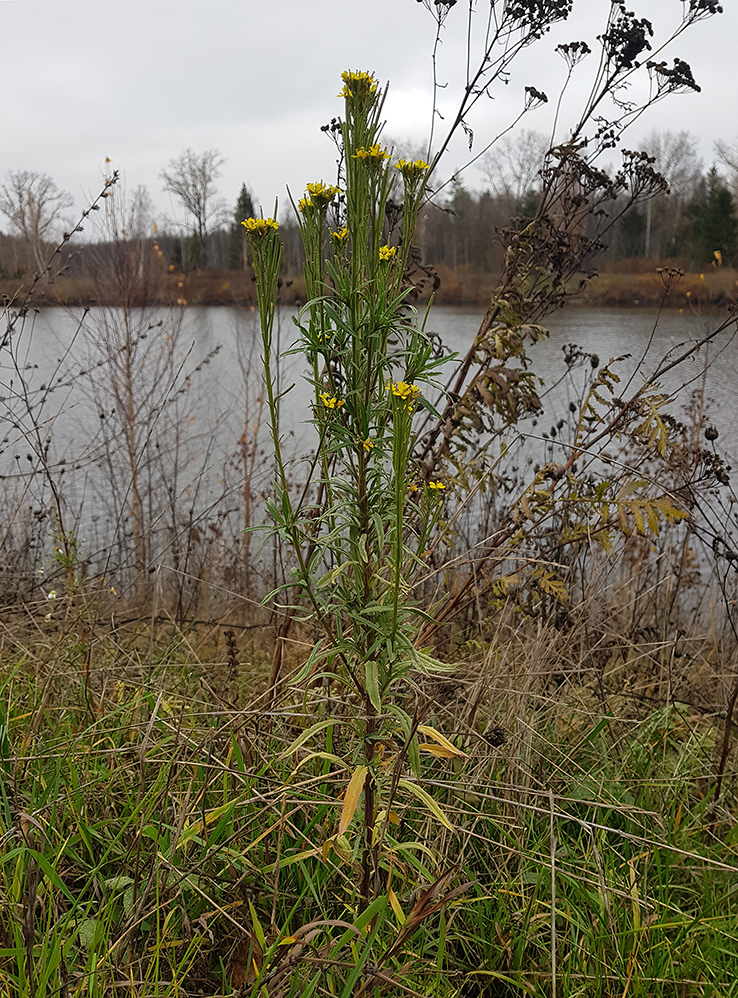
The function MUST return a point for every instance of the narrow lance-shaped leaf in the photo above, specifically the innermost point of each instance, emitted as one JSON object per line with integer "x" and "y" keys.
{"x": 351, "y": 797}
{"x": 443, "y": 749}
{"x": 433, "y": 806}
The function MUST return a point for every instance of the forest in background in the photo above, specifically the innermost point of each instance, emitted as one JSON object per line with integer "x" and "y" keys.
{"x": 691, "y": 222}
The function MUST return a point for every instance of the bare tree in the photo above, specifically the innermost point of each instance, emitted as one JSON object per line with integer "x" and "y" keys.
{"x": 402, "y": 148}
{"x": 511, "y": 167}
{"x": 727, "y": 156}
{"x": 675, "y": 157}
{"x": 190, "y": 178}
{"x": 33, "y": 205}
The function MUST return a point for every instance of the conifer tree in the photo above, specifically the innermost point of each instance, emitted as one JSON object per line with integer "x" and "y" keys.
{"x": 715, "y": 223}
{"x": 244, "y": 209}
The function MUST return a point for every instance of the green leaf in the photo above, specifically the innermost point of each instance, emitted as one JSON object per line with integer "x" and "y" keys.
{"x": 86, "y": 931}
{"x": 51, "y": 873}
{"x": 371, "y": 676}
{"x": 304, "y": 737}
{"x": 328, "y": 756}
{"x": 118, "y": 883}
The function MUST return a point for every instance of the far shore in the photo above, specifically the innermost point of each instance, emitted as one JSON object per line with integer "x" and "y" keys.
{"x": 641, "y": 286}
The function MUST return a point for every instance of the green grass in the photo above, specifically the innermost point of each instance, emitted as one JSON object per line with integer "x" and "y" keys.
{"x": 155, "y": 843}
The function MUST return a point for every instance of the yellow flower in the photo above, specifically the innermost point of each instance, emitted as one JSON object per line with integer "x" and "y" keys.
{"x": 402, "y": 390}
{"x": 358, "y": 85}
{"x": 410, "y": 170}
{"x": 368, "y": 444}
{"x": 330, "y": 401}
{"x": 340, "y": 234}
{"x": 387, "y": 252}
{"x": 259, "y": 226}
{"x": 436, "y": 485}
{"x": 373, "y": 155}
{"x": 318, "y": 195}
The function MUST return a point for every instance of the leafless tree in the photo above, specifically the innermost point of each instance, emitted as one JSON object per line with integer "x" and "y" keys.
{"x": 33, "y": 204}
{"x": 402, "y": 148}
{"x": 675, "y": 157}
{"x": 511, "y": 167}
{"x": 190, "y": 178}
{"x": 727, "y": 155}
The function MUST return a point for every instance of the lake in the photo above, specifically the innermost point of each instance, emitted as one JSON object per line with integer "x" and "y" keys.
{"x": 197, "y": 381}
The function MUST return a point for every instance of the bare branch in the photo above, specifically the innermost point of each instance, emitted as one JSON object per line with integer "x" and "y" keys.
{"x": 33, "y": 205}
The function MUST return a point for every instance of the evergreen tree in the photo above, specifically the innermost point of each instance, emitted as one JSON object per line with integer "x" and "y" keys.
{"x": 244, "y": 209}
{"x": 714, "y": 228}
{"x": 631, "y": 233}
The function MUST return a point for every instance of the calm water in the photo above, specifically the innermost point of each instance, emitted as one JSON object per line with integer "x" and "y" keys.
{"x": 55, "y": 349}
{"x": 206, "y": 397}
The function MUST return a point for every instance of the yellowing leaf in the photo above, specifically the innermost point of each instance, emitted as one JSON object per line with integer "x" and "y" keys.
{"x": 396, "y": 908}
{"x": 351, "y": 798}
{"x": 433, "y": 806}
{"x": 191, "y": 830}
{"x": 443, "y": 748}
{"x": 440, "y": 752}
{"x": 343, "y": 847}
{"x": 392, "y": 817}
{"x": 630, "y": 488}
{"x": 286, "y": 861}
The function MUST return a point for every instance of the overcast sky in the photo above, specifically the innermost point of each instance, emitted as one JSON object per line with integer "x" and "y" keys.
{"x": 140, "y": 80}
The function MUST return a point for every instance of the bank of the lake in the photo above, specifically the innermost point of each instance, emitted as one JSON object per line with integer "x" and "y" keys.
{"x": 633, "y": 284}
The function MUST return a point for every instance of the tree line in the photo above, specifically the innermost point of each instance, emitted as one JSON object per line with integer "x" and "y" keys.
{"x": 692, "y": 215}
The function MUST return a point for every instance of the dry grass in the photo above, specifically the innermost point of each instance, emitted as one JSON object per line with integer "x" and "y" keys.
{"x": 155, "y": 840}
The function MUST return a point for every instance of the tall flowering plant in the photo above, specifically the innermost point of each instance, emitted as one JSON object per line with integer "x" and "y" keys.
{"x": 361, "y": 532}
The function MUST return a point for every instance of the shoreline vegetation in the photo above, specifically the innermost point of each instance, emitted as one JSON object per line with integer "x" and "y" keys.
{"x": 631, "y": 284}
{"x": 442, "y": 702}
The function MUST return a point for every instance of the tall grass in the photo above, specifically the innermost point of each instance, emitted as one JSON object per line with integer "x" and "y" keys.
{"x": 167, "y": 835}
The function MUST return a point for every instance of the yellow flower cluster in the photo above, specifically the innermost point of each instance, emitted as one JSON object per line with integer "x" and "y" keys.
{"x": 260, "y": 226}
{"x": 368, "y": 444}
{"x": 410, "y": 170}
{"x": 402, "y": 390}
{"x": 330, "y": 401}
{"x": 387, "y": 252}
{"x": 340, "y": 235}
{"x": 436, "y": 485}
{"x": 373, "y": 155}
{"x": 358, "y": 85}
{"x": 318, "y": 195}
